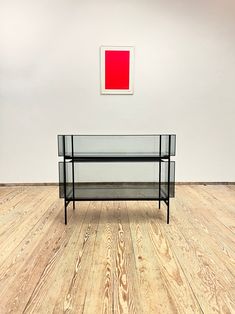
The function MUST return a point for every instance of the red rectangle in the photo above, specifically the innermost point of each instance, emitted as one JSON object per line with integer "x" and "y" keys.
{"x": 117, "y": 69}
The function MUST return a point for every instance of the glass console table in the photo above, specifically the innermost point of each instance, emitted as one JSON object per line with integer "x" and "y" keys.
{"x": 116, "y": 167}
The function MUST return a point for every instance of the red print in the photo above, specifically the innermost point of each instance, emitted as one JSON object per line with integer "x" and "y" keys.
{"x": 117, "y": 69}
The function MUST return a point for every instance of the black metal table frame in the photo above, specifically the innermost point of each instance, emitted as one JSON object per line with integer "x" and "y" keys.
{"x": 73, "y": 159}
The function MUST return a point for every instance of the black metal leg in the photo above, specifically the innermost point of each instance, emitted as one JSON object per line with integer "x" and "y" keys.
{"x": 65, "y": 188}
{"x": 168, "y": 181}
{"x": 168, "y": 211}
{"x": 73, "y": 172}
{"x": 65, "y": 211}
{"x": 160, "y": 172}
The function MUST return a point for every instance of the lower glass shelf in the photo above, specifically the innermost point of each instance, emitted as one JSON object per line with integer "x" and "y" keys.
{"x": 117, "y": 190}
{"x": 96, "y": 181}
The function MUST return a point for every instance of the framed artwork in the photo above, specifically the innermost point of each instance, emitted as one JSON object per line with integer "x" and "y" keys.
{"x": 117, "y": 65}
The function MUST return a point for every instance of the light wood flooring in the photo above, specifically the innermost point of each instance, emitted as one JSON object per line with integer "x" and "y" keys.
{"x": 117, "y": 257}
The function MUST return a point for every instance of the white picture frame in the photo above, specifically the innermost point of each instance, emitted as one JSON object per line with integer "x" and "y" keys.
{"x": 103, "y": 85}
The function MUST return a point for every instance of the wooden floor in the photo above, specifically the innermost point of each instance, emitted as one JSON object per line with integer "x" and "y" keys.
{"x": 117, "y": 257}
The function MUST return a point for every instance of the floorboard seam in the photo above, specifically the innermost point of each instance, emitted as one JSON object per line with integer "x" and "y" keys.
{"x": 132, "y": 246}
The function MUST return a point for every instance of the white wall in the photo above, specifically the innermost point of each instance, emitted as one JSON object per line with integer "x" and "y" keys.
{"x": 184, "y": 80}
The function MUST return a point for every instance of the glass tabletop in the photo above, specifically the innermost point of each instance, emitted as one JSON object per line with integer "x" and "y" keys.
{"x": 116, "y": 145}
